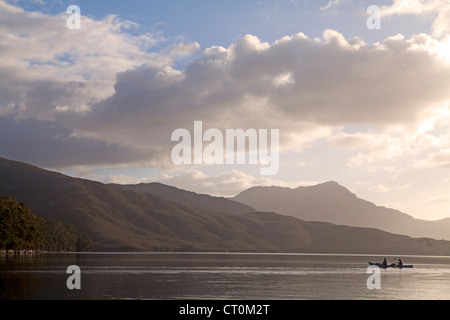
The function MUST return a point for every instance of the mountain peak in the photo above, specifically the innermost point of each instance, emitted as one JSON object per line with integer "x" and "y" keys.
{"x": 330, "y": 183}
{"x": 332, "y": 202}
{"x": 331, "y": 186}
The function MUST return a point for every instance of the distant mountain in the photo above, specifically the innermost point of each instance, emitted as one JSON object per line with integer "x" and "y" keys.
{"x": 190, "y": 198}
{"x": 331, "y": 202}
{"x": 126, "y": 220}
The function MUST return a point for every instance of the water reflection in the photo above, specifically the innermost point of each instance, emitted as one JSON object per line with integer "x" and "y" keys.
{"x": 219, "y": 276}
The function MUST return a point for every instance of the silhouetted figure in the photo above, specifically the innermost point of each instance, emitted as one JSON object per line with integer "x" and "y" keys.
{"x": 384, "y": 264}
{"x": 400, "y": 263}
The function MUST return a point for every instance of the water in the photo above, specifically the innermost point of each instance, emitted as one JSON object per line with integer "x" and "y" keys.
{"x": 163, "y": 276}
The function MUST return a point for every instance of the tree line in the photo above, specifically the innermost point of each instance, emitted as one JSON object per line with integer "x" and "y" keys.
{"x": 21, "y": 230}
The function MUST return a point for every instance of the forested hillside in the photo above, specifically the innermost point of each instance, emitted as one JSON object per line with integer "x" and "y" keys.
{"x": 22, "y": 230}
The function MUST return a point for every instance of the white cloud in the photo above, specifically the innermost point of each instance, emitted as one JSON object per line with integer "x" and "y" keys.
{"x": 333, "y": 4}
{"x": 180, "y": 50}
{"x": 440, "y": 158}
{"x": 107, "y": 97}
{"x": 440, "y": 8}
{"x": 77, "y": 66}
{"x": 298, "y": 85}
{"x": 416, "y": 7}
{"x": 226, "y": 184}
{"x": 393, "y": 147}
{"x": 102, "y": 84}
{"x": 125, "y": 179}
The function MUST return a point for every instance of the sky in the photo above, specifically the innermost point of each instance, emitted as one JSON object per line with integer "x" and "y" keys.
{"x": 365, "y": 107}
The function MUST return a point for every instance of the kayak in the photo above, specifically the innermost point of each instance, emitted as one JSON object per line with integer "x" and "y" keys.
{"x": 380, "y": 265}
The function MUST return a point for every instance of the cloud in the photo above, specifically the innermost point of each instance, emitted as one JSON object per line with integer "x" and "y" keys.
{"x": 108, "y": 90}
{"x": 50, "y": 76}
{"x": 440, "y": 8}
{"x": 380, "y": 188}
{"x": 293, "y": 84}
{"x": 39, "y": 51}
{"x": 49, "y": 144}
{"x": 416, "y": 7}
{"x": 176, "y": 51}
{"x": 374, "y": 147}
{"x": 420, "y": 145}
{"x": 440, "y": 158}
{"x": 125, "y": 179}
{"x": 333, "y": 4}
{"x": 224, "y": 184}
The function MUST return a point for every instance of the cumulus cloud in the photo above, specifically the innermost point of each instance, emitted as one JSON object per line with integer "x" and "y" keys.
{"x": 50, "y": 76}
{"x": 107, "y": 90}
{"x": 441, "y": 8}
{"x": 76, "y": 67}
{"x": 399, "y": 147}
{"x": 295, "y": 84}
{"x": 417, "y": 7}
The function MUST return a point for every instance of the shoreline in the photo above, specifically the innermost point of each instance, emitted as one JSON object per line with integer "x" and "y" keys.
{"x": 27, "y": 252}
{"x": 206, "y": 253}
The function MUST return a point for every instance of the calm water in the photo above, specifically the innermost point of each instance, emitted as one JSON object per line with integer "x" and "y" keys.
{"x": 220, "y": 276}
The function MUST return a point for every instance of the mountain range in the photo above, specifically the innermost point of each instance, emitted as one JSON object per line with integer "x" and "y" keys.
{"x": 205, "y": 201}
{"x": 155, "y": 217}
{"x": 331, "y": 202}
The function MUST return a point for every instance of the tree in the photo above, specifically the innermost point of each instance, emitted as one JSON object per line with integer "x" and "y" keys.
{"x": 84, "y": 244}
{"x": 19, "y": 228}
{"x": 22, "y": 230}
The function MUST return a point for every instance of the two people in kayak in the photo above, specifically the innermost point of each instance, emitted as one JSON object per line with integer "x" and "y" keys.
{"x": 399, "y": 264}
